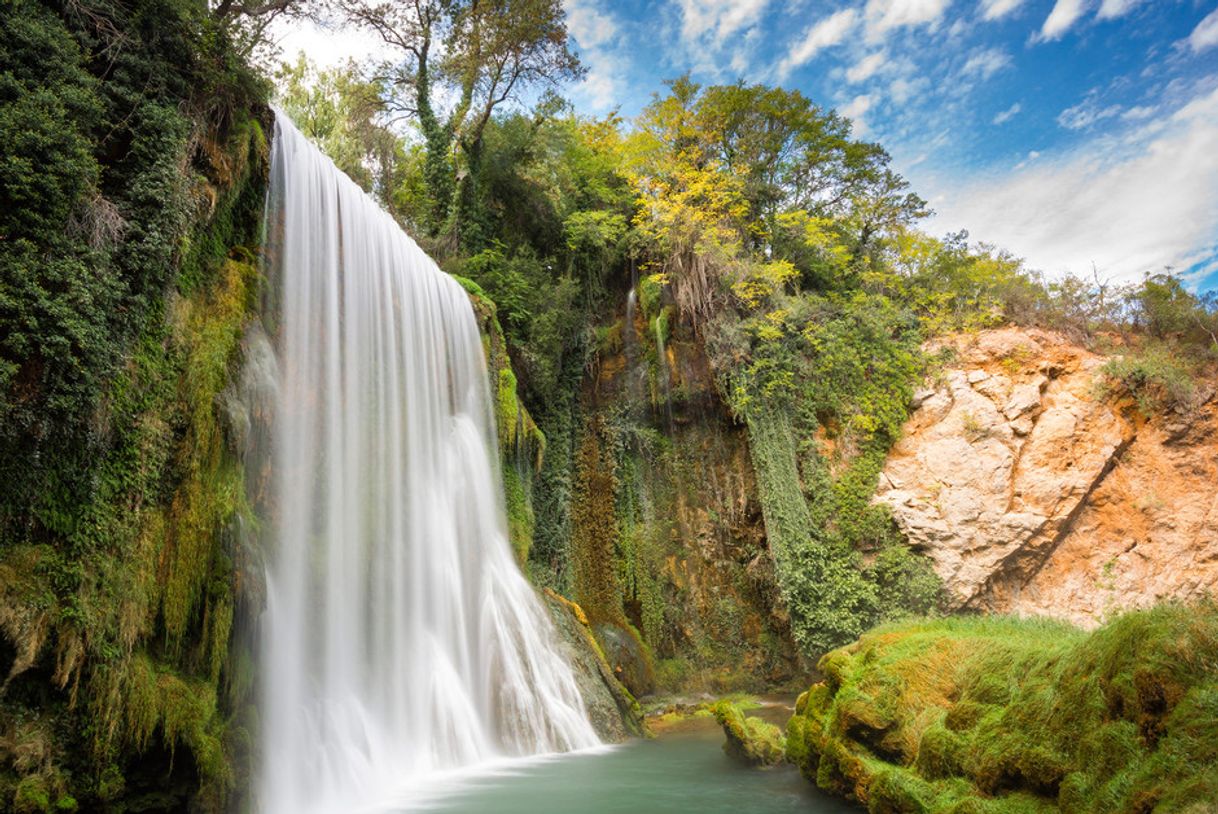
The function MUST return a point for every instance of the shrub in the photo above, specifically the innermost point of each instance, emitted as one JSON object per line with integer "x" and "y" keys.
{"x": 1156, "y": 378}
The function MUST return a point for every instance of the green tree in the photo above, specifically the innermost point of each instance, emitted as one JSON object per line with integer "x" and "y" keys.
{"x": 343, "y": 113}
{"x": 477, "y": 53}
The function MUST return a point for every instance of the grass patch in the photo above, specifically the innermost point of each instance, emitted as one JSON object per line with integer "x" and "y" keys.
{"x": 1009, "y": 715}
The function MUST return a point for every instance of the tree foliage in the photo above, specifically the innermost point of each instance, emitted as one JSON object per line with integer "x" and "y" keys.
{"x": 457, "y": 62}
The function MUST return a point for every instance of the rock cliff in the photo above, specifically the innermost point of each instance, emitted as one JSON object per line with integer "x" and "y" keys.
{"x": 1034, "y": 492}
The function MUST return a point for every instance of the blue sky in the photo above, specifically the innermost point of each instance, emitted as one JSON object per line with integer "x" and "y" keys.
{"x": 1073, "y": 132}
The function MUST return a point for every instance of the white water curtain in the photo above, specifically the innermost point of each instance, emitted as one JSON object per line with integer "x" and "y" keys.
{"x": 400, "y": 637}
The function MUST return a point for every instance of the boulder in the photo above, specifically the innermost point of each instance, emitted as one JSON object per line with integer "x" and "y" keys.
{"x": 750, "y": 741}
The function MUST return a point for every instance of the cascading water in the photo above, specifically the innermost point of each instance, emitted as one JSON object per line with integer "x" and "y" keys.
{"x": 400, "y": 638}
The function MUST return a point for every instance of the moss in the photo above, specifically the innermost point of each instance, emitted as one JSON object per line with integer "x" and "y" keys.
{"x": 519, "y": 513}
{"x": 940, "y": 752}
{"x": 1005, "y": 715}
{"x": 128, "y": 617}
{"x": 594, "y": 530}
{"x": 209, "y": 329}
{"x": 32, "y": 795}
{"x": 751, "y": 741}
{"x": 522, "y": 444}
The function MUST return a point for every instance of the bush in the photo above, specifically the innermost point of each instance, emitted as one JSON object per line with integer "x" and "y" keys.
{"x": 1154, "y": 377}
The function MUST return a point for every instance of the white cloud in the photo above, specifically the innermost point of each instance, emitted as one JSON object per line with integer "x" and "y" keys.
{"x": 997, "y": 9}
{"x": 590, "y": 26}
{"x": 855, "y": 109}
{"x": 602, "y": 88}
{"x": 1205, "y": 35}
{"x": 1127, "y": 205}
{"x": 985, "y": 62}
{"x": 1086, "y": 113}
{"x": 718, "y": 19}
{"x": 904, "y": 88}
{"x": 865, "y": 68}
{"x": 1008, "y": 114}
{"x": 1065, "y": 14}
{"x": 596, "y": 32}
{"x": 1136, "y": 114}
{"x": 885, "y": 15}
{"x": 1115, "y": 8}
{"x": 1032, "y": 156}
{"x": 824, "y": 34}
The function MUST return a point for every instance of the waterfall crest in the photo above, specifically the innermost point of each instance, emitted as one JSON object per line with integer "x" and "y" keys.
{"x": 400, "y": 637}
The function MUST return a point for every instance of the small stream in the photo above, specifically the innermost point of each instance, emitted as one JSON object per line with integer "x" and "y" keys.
{"x": 682, "y": 770}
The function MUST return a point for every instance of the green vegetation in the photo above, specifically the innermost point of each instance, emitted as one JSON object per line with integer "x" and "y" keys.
{"x": 132, "y": 172}
{"x": 756, "y": 229}
{"x": 1154, "y": 377}
{"x": 1008, "y": 715}
{"x": 784, "y": 292}
{"x": 751, "y": 741}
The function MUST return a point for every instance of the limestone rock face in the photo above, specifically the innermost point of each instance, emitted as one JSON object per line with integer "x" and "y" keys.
{"x": 1032, "y": 494}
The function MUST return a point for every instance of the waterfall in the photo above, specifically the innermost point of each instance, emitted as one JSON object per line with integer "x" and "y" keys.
{"x": 400, "y": 638}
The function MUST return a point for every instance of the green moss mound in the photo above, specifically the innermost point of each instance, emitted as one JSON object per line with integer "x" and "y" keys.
{"x": 1007, "y": 715}
{"x": 751, "y": 741}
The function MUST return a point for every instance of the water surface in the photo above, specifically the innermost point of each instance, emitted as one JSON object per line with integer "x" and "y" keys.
{"x": 684, "y": 770}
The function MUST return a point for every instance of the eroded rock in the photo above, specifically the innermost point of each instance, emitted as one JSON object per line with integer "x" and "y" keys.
{"x": 1032, "y": 494}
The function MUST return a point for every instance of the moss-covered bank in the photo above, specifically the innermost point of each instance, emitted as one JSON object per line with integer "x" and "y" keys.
{"x": 133, "y": 191}
{"x": 973, "y": 715}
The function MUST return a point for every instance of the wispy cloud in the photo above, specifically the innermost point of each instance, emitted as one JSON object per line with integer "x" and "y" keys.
{"x": 1205, "y": 35}
{"x": 985, "y": 62}
{"x": 1137, "y": 114}
{"x": 596, "y": 32}
{"x": 865, "y": 68}
{"x": 1086, "y": 113}
{"x": 826, "y": 33}
{"x": 1008, "y": 114}
{"x": 885, "y": 15}
{"x": 718, "y": 19}
{"x": 589, "y": 24}
{"x": 855, "y": 110}
{"x": 1131, "y": 204}
{"x": 1064, "y": 15}
{"x": 904, "y": 88}
{"x": 997, "y": 9}
{"x": 1110, "y": 9}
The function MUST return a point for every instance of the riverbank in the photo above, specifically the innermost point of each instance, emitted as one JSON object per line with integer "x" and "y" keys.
{"x": 1008, "y": 715}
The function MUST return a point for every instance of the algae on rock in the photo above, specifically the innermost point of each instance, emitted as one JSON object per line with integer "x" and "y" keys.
{"x": 1008, "y": 715}
{"x": 749, "y": 740}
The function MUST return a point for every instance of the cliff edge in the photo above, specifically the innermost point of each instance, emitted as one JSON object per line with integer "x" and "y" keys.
{"x": 1034, "y": 489}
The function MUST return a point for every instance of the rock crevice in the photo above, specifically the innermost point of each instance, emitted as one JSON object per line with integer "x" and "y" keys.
{"x": 1032, "y": 493}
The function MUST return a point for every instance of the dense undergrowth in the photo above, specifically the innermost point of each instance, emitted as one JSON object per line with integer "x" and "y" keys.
{"x": 1009, "y": 715}
{"x": 132, "y": 183}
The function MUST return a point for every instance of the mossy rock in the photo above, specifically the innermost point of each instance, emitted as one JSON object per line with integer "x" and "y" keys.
{"x": 750, "y": 741}
{"x": 627, "y": 657}
{"x": 994, "y": 715}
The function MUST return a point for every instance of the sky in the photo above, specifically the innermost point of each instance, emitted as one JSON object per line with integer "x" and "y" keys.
{"x": 1082, "y": 135}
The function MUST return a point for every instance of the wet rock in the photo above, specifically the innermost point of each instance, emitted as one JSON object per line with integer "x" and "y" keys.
{"x": 750, "y": 741}
{"x": 612, "y": 709}
{"x": 626, "y": 658}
